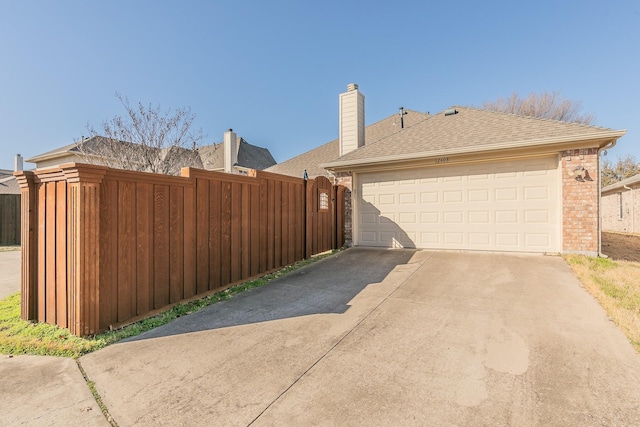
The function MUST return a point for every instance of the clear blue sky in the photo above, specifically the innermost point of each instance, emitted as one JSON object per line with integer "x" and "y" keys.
{"x": 272, "y": 70}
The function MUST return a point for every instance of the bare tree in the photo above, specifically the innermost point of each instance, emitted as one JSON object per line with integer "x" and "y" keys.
{"x": 625, "y": 167}
{"x": 545, "y": 105}
{"x": 145, "y": 139}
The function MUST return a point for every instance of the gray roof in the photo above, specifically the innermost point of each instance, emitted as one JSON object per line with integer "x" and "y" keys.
{"x": 632, "y": 180}
{"x": 8, "y": 183}
{"x": 311, "y": 160}
{"x": 470, "y": 130}
{"x": 212, "y": 156}
{"x": 254, "y": 157}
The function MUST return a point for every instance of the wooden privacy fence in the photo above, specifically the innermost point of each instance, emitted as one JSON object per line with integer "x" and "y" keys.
{"x": 9, "y": 219}
{"x": 102, "y": 247}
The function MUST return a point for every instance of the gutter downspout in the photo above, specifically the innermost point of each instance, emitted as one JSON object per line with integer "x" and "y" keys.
{"x": 606, "y": 147}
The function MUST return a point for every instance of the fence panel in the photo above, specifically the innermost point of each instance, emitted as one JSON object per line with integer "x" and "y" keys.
{"x": 114, "y": 246}
{"x": 9, "y": 219}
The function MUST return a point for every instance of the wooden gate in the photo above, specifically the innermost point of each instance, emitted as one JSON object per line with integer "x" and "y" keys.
{"x": 324, "y": 227}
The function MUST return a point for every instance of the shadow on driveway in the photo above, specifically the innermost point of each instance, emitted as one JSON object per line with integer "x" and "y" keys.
{"x": 320, "y": 288}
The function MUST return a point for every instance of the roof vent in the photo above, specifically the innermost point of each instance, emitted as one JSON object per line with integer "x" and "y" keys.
{"x": 351, "y": 87}
{"x": 450, "y": 112}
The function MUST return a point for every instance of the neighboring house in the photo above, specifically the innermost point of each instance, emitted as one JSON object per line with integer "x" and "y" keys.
{"x": 8, "y": 183}
{"x": 233, "y": 155}
{"x": 620, "y": 206}
{"x": 465, "y": 179}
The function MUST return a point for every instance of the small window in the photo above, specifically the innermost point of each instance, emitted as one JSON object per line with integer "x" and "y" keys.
{"x": 620, "y": 206}
{"x": 324, "y": 201}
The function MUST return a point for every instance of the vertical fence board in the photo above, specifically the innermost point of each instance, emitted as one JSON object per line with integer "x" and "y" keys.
{"x": 245, "y": 230}
{"x": 176, "y": 240}
{"x": 299, "y": 212}
{"x": 73, "y": 243}
{"x": 264, "y": 223}
{"x": 50, "y": 258}
{"x": 89, "y": 290}
{"x": 271, "y": 224}
{"x": 202, "y": 235}
{"x": 255, "y": 212}
{"x": 109, "y": 253}
{"x": 225, "y": 235}
{"x": 189, "y": 287}
{"x": 29, "y": 256}
{"x": 126, "y": 251}
{"x": 144, "y": 245}
{"x": 284, "y": 227}
{"x": 236, "y": 232}
{"x": 161, "y": 245}
{"x": 215, "y": 235}
{"x": 278, "y": 218}
{"x": 61, "y": 254}
{"x": 293, "y": 217}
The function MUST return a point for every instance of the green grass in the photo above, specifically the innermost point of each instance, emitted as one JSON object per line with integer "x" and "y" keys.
{"x": 19, "y": 336}
{"x": 616, "y": 286}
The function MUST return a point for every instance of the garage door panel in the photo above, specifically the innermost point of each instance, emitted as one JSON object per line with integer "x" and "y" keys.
{"x": 428, "y": 197}
{"x": 536, "y": 193}
{"x": 509, "y": 206}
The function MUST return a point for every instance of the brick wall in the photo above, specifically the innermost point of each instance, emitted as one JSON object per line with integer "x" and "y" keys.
{"x": 629, "y": 221}
{"x": 580, "y": 201}
{"x": 346, "y": 179}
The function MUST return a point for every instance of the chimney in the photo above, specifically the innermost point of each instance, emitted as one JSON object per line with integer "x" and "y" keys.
{"x": 18, "y": 163}
{"x": 230, "y": 146}
{"x": 351, "y": 132}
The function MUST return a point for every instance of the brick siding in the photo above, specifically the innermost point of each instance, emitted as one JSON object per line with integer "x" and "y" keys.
{"x": 580, "y": 202}
{"x": 346, "y": 179}
{"x": 629, "y": 221}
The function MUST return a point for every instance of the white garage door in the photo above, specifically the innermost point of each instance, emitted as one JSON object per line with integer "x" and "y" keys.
{"x": 507, "y": 206}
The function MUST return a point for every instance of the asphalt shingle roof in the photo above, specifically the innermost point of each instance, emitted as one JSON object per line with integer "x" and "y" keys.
{"x": 9, "y": 184}
{"x": 212, "y": 156}
{"x": 469, "y": 130}
{"x": 311, "y": 160}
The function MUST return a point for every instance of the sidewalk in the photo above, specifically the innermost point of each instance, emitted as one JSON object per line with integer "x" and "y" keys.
{"x": 41, "y": 390}
{"x": 9, "y": 273}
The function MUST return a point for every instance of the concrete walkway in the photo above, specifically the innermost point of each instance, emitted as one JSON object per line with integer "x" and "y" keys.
{"x": 9, "y": 273}
{"x": 374, "y": 337}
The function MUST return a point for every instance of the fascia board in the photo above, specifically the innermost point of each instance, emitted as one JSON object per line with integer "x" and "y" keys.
{"x": 558, "y": 143}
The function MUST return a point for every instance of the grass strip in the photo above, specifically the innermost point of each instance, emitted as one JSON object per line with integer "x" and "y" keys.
{"x": 616, "y": 286}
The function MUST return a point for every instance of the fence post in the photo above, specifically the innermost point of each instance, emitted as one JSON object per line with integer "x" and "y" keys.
{"x": 29, "y": 243}
{"x": 83, "y": 247}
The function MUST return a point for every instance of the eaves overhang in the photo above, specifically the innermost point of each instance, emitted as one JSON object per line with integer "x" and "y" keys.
{"x": 620, "y": 185}
{"x": 538, "y": 146}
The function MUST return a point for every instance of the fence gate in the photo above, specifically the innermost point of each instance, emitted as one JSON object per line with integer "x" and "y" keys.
{"x": 324, "y": 227}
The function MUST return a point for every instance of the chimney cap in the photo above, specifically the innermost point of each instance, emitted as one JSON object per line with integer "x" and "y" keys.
{"x": 351, "y": 87}
{"x": 230, "y": 130}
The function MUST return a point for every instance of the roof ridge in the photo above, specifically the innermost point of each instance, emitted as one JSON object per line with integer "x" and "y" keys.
{"x": 427, "y": 116}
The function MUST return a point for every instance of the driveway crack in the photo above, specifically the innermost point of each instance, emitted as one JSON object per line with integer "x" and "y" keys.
{"x": 330, "y": 350}
{"x": 96, "y": 395}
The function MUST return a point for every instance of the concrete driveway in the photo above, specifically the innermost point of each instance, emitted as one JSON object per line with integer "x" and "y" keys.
{"x": 377, "y": 337}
